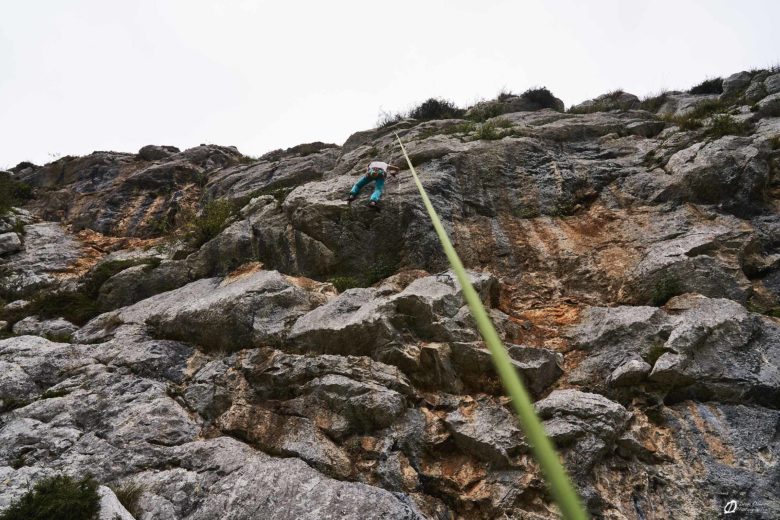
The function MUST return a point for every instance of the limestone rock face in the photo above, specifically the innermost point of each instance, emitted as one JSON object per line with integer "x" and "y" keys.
{"x": 249, "y": 346}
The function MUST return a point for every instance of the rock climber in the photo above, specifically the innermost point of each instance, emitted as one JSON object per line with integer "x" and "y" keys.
{"x": 376, "y": 172}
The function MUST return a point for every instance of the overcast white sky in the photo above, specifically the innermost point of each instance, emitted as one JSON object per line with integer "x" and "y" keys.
{"x": 84, "y": 75}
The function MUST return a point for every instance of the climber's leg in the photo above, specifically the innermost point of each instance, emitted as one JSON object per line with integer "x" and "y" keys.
{"x": 379, "y": 187}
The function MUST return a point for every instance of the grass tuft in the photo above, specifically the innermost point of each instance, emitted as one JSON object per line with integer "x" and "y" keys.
{"x": 128, "y": 494}
{"x": 654, "y": 103}
{"x": 724, "y": 124}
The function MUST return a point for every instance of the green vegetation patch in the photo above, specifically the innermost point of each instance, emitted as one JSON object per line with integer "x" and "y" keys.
{"x": 708, "y": 86}
{"x": 57, "y": 498}
{"x": 486, "y": 110}
{"x": 541, "y": 97}
{"x": 342, "y": 283}
{"x": 212, "y": 220}
{"x": 654, "y": 103}
{"x": 378, "y": 270}
{"x": 80, "y": 305}
{"x": 684, "y": 122}
{"x": 488, "y": 131}
{"x": 436, "y": 108}
{"x": 666, "y": 288}
{"x": 724, "y": 124}
{"x": 12, "y": 403}
{"x": 13, "y": 193}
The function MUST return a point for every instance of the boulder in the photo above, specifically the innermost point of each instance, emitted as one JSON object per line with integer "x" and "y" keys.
{"x": 735, "y": 83}
{"x": 153, "y": 152}
{"x": 584, "y": 425}
{"x": 769, "y": 106}
{"x": 630, "y": 373}
{"x": 58, "y": 329}
{"x": 248, "y": 309}
{"x": 772, "y": 84}
{"x": 756, "y": 91}
{"x": 617, "y": 100}
{"x": 10, "y": 243}
{"x": 354, "y": 323}
{"x": 488, "y": 430}
{"x": 140, "y": 282}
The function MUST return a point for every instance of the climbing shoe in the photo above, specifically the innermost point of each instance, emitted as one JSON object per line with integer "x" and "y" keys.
{"x": 374, "y": 205}
{"x": 351, "y": 198}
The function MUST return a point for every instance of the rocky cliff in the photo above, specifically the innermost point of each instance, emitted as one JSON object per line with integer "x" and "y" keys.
{"x": 226, "y": 334}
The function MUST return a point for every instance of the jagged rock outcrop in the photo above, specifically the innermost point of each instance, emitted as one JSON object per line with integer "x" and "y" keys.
{"x": 228, "y": 334}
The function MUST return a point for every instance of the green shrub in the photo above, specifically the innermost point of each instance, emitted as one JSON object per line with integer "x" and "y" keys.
{"x": 386, "y": 119}
{"x": 13, "y": 192}
{"x": 380, "y": 269}
{"x": 708, "y": 86}
{"x": 724, "y": 124}
{"x": 502, "y": 122}
{"x": 462, "y": 128}
{"x": 435, "y": 108}
{"x": 19, "y": 461}
{"x": 667, "y": 287}
{"x": 128, "y": 494}
{"x": 486, "y": 110}
{"x": 12, "y": 403}
{"x": 212, "y": 220}
{"x": 505, "y": 94}
{"x": 342, "y": 283}
{"x": 656, "y": 351}
{"x": 18, "y": 227}
{"x": 541, "y": 97}
{"x": 57, "y": 498}
{"x": 74, "y": 306}
{"x": 488, "y": 131}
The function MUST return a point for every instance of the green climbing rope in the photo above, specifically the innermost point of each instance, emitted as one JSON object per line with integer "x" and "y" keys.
{"x": 558, "y": 481}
